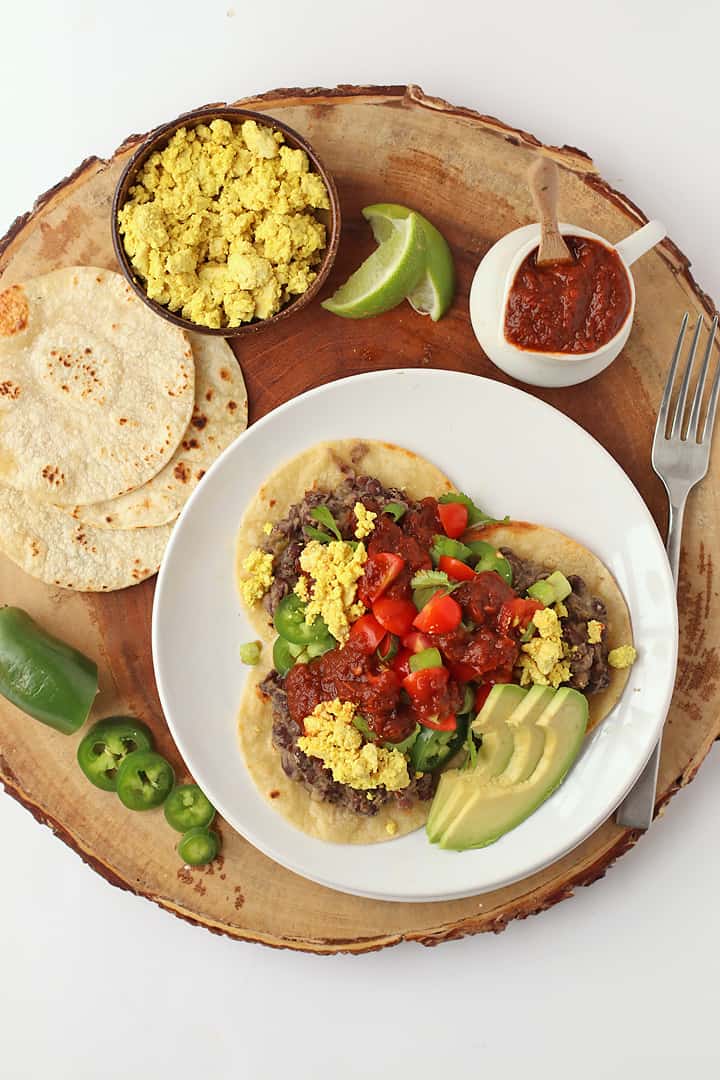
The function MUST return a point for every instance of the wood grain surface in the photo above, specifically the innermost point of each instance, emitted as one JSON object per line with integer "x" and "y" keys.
{"x": 466, "y": 172}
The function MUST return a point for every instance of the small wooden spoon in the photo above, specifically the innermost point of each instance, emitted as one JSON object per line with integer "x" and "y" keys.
{"x": 543, "y": 183}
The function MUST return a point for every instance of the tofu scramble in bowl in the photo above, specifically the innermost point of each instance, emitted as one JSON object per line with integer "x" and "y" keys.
{"x": 225, "y": 220}
{"x": 429, "y": 664}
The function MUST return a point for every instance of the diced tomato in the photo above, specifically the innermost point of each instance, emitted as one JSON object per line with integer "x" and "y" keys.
{"x": 481, "y": 696}
{"x": 516, "y": 614}
{"x": 455, "y": 570}
{"x": 380, "y": 572}
{"x": 401, "y": 663}
{"x": 416, "y": 642}
{"x": 367, "y": 632}
{"x": 454, "y": 518}
{"x": 440, "y": 723}
{"x": 394, "y": 614}
{"x": 440, "y": 615}
{"x": 426, "y": 683}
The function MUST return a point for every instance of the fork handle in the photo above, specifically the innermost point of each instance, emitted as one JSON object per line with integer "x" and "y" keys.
{"x": 675, "y": 527}
{"x": 637, "y": 808}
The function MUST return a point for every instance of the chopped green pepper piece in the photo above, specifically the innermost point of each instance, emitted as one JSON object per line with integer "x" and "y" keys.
{"x": 543, "y": 592}
{"x": 426, "y": 658}
{"x": 144, "y": 780}
{"x": 187, "y": 807}
{"x": 250, "y": 652}
{"x": 107, "y": 744}
{"x": 396, "y": 510}
{"x": 198, "y": 846}
{"x": 43, "y": 676}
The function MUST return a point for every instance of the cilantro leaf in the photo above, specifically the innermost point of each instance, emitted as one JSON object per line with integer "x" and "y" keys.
{"x": 324, "y": 517}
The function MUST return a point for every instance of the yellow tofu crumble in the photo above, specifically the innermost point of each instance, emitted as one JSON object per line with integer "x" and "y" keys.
{"x": 331, "y": 736}
{"x": 267, "y": 528}
{"x": 334, "y": 570}
{"x": 258, "y": 568}
{"x": 365, "y": 520}
{"x": 623, "y": 656}
{"x": 544, "y": 657}
{"x": 221, "y": 224}
{"x": 594, "y": 631}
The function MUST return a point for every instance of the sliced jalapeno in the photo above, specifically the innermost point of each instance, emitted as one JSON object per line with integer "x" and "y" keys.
{"x": 106, "y": 746}
{"x": 291, "y": 624}
{"x": 187, "y": 807}
{"x": 490, "y": 559}
{"x": 432, "y": 749}
{"x": 144, "y": 780}
{"x": 198, "y": 846}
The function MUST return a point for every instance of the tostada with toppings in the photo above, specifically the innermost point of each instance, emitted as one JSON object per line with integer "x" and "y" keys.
{"x": 395, "y": 615}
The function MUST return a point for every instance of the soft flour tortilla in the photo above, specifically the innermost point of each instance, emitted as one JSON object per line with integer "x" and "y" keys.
{"x": 325, "y": 466}
{"x": 95, "y": 391}
{"x": 555, "y": 551}
{"x": 219, "y": 416}
{"x": 50, "y": 545}
{"x": 298, "y": 805}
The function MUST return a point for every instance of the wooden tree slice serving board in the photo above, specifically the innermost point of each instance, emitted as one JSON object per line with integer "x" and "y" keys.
{"x": 466, "y": 172}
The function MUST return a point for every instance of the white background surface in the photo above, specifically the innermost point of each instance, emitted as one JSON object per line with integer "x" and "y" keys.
{"x": 621, "y": 979}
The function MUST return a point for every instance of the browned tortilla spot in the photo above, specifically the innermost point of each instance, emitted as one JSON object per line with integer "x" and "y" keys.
{"x": 181, "y": 472}
{"x": 9, "y": 389}
{"x": 14, "y": 311}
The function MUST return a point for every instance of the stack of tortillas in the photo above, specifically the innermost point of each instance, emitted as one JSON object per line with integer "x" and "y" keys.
{"x": 109, "y": 417}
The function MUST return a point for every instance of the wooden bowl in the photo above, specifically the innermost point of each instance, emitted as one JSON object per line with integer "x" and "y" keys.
{"x": 157, "y": 140}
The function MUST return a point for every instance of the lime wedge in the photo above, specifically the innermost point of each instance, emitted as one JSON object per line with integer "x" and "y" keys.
{"x": 433, "y": 295}
{"x": 388, "y": 276}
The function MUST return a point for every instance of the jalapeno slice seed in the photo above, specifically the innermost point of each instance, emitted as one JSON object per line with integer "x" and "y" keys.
{"x": 187, "y": 807}
{"x": 106, "y": 746}
{"x": 144, "y": 780}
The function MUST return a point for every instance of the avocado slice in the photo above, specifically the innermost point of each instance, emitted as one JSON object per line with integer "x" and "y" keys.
{"x": 457, "y": 785}
{"x": 494, "y": 756}
{"x": 500, "y": 804}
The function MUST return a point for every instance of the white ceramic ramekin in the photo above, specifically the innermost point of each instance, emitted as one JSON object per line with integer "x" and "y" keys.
{"x": 489, "y": 295}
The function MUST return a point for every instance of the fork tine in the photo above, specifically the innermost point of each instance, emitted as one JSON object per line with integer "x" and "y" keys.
{"x": 676, "y": 428}
{"x": 667, "y": 393}
{"x": 712, "y": 407}
{"x": 700, "y": 388}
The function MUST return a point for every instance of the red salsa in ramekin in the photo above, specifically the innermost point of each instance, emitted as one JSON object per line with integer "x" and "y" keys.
{"x": 573, "y": 309}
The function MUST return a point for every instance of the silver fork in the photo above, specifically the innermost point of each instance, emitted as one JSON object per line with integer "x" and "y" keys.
{"x": 680, "y": 458}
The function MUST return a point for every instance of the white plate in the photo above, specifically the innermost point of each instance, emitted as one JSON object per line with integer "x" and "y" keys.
{"x": 514, "y": 455}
